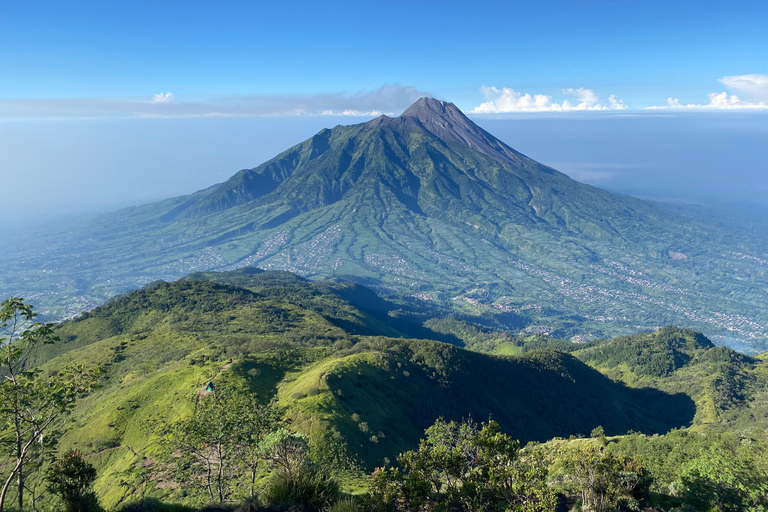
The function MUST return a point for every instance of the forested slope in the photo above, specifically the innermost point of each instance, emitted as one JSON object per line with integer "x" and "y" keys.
{"x": 359, "y": 388}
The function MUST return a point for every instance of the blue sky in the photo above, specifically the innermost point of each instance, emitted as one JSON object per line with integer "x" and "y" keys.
{"x": 642, "y": 52}
{"x": 106, "y": 104}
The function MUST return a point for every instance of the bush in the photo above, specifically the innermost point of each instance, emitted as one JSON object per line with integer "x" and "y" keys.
{"x": 628, "y": 504}
{"x": 309, "y": 489}
{"x": 347, "y": 505}
{"x": 152, "y": 505}
{"x": 70, "y": 478}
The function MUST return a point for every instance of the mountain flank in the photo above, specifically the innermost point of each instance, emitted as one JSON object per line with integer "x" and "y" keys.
{"x": 428, "y": 205}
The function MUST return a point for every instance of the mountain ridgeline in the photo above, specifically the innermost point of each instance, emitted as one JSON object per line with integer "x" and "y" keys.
{"x": 430, "y": 205}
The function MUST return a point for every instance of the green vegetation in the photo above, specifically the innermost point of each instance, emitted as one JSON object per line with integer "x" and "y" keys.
{"x": 728, "y": 387}
{"x": 32, "y": 403}
{"x": 265, "y": 388}
{"x": 218, "y": 446}
{"x": 463, "y": 467}
{"x": 70, "y": 478}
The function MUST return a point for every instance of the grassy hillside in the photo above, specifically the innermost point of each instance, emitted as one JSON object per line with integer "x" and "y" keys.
{"x": 729, "y": 388}
{"x": 338, "y": 374}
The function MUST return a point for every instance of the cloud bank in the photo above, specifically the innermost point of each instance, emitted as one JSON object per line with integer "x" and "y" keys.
{"x": 752, "y": 90}
{"x": 389, "y": 98}
{"x": 506, "y": 100}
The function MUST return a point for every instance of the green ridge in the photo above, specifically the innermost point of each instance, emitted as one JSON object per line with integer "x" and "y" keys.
{"x": 371, "y": 395}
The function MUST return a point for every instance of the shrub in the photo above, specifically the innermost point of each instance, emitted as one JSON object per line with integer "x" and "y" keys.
{"x": 347, "y": 505}
{"x": 70, "y": 478}
{"x": 309, "y": 489}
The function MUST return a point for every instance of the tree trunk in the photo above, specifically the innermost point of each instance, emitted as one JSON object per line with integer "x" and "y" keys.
{"x": 33, "y": 497}
{"x": 20, "y": 484}
{"x": 208, "y": 479}
{"x": 16, "y": 470}
{"x": 6, "y": 486}
{"x": 19, "y": 475}
{"x": 219, "y": 473}
{"x": 5, "y": 491}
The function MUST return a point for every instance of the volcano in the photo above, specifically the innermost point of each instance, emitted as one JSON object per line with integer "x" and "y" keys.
{"x": 428, "y": 205}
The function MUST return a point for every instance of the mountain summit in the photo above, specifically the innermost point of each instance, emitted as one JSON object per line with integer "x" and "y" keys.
{"x": 445, "y": 121}
{"x": 429, "y": 204}
{"x": 432, "y": 159}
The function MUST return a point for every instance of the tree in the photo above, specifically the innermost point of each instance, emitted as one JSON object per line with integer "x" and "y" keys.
{"x": 297, "y": 481}
{"x": 466, "y": 467}
{"x": 70, "y": 477}
{"x": 220, "y": 442}
{"x": 594, "y": 473}
{"x": 286, "y": 451}
{"x": 30, "y": 403}
{"x": 255, "y": 424}
{"x": 721, "y": 480}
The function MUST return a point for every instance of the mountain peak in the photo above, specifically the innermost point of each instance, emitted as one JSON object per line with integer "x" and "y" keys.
{"x": 430, "y": 107}
{"x": 446, "y": 121}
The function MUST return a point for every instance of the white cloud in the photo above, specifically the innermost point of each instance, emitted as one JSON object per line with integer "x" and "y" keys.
{"x": 388, "y": 98}
{"x": 755, "y": 86}
{"x": 616, "y": 103}
{"x": 506, "y": 100}
{"x": 752, "y": 88}
{"x": 163, "y": 97}
{"x": 354, "y": 113}
{"x": 673, "y": 102}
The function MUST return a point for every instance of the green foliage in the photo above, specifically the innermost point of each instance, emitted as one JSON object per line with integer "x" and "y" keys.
{"x": 296, "y": 480}
{"x": 658, "y": 354}
{"x": 345, "y": 505}
{"x": 598, "y": 432}
{"x": 71, "y": 477}
{"x": 398, "y": 387}
{"x": 682, "y": 470}
{"x": 722, "y": 480}
{"x": 594, "y": 473}
{"x": 286, "y": 451}
{"x": 464, "y": 467}
{"x": 361, "y": 399}
{"x": 721, "y": 381}
{"x": 309, "y": 488}
{"x": 220, "y": 442}
{"x": 30, "y": 403}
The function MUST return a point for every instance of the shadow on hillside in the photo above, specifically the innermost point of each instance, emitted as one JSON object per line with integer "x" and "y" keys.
{"x": 152, "y": 505}
{"x": 545, "y": 394}
{"x": 665, "y": 411}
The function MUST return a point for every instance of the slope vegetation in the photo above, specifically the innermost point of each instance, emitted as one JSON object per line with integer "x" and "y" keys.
{"x": 349, "y": 380}
{"x": 729, "y": 388}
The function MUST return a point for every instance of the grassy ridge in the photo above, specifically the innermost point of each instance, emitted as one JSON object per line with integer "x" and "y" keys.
{"x": 359, "y": 396}
{"x": 729, "y": 388}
